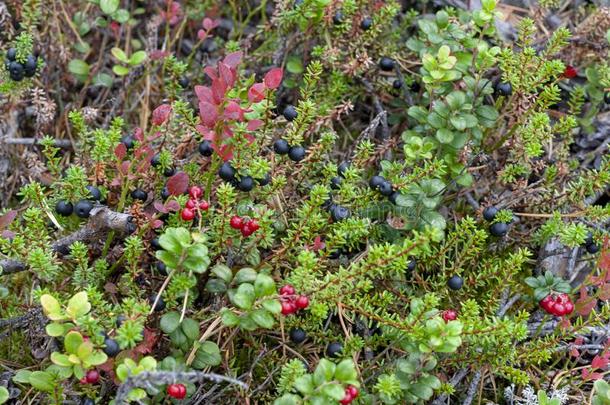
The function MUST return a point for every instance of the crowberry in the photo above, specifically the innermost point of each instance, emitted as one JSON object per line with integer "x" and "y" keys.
{"x": 111, "y": 347}
{"x": 227, "y": 172}
{"x": 455, "y": 282}
{"x": 246, "y": 183}
{"x": 290, "y": 113}
{"x": 333, "y": 349}
{"x": 83, "y": 208}
{"x": 64, "y": 208}
{"x": 498, "y": 229}
{"x": 297, "y": 335}
{"x": 205, "y": 148}
{"x": 366, "y": 23}
{"x": 504, "y": 89}
{"x": 139, "y": 194}
{"x": 296, "y": 153}
{"x": 489, "y": 213}
{"x": 281, "y": 147}
{"x": 386, "y": 64}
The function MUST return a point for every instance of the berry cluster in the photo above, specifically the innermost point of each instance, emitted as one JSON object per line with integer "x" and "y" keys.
{"x": 558, "y": 305}
{"x": 384, "y": 187}
{"x": 83, "y": 208}
{"x": 177, "y": 391}
{"x": 18, "y": 70}
{"x": 246, "y": 226}
{"x": 295, "y": 153}
{"x": 590, "y": 244}
{"x": 194, "y": 204}
{"x": 91, "y": 377}
{"x": 498, "y": 228}
{"x": 245, "y": 183}
{"x": 291, "y": 302}
{"x": 351, "y": 393}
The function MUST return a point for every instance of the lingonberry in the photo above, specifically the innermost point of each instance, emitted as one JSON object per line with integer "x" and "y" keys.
{"x": 254, "y": 225}
{"x": 190, "y": 204}
{"x": 297, "y": 335}
{"x": 288, "y": 308}
{"x": 290, "y": 113}
{"x": 296, "y": 153}
{"x": 227, "y": 172}
{"x": 195, "y": 192}
{"x": 236, "y": 222}
{"x": 333, "y": 349}
{"x": 351, "y": 393}
{"x": 570, "y": 72}
{"x": 92, "y": 376}
{"x": 504, "y": 89}
{"x": 64, "y": 208}
{"x": 490, "y": 213}
{"x": 449, "y": 315}
{"x": 287, "y": 290}
{"x": 455, "y": 282}
{"x": 83, "y": 208}
{"x": 177, "y": 391}
{"x": 302, "y": 302}
{"x": 247, "y": 230}
{"x": 386, "y": 64}
{"x": 281, "y": 147}
{"x": 205, "y": 148}
{"x": 204, "y": 205}
{"x": 95, "y": 192}
{"x": 111, "y": 347}
{"x": 366, "y": 23}
{"x": 246, "y": 183}
{"x": 187, "y": 214}
{"x": 498, "y": 229}
{"x": 139, "y": 194}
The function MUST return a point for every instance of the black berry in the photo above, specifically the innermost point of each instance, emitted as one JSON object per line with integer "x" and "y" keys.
{"x": 265, "y": 180}
{"x": 128, "y": 141}
{"x": 160, "y": 303}
{"x": 281, "y": 147}
{"x": 339, "y": 213}
{"x": 155, "y": 160}
{"x": 30, "y": 66}
{"x": 386, "y": 64}
{"x": 112, "y": 347}
{"x": 183, "y": 82}
{"x": 397, "y": 84}
{"x": 338, "y": 18}
{"x": 11, "y": 54}
{"x": 119, "y": 320}
{"x": 64, "y": 208}
{"x": 504, "y": 89}
{"x": 246, "y": 183}
{"x": 290, "y": 113}
{"x": 169, "y": 172}
{"x": 297, "y": 335}
{"x": 592, "y": 248}
{"x": 412, "y": 264}
{"x": 489, "y": 213}
{"x": 366, "y": 23}
{"x": 333, "y": 349}
{"x": 498, "y": 229}
{"x": 95, "y": 193}
{"x": 394, "y": 197}
{"x": 83, "y": 208}
{"x": 227, "y": 172}
{"x": 139, "y": 194}
{"x": 205, "y": 148}
{"x": 16, "y": 71}
{"x": 342, "y": 168}
{"x": 161, "y": 268}
{"x": 376, "y": 181}
{"x": 155, "y": 244}
{"x": 87, "y": 401}
{"x": 165, "y": 193}
{"x": 296, "y": 153}
{"x": 385, "y": 188}
{"x": 455, "y": 282}
{"x": 335, "y": 182}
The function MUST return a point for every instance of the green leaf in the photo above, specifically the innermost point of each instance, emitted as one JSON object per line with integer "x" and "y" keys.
{"x": 60, "y": 359}
{"x": 55, "y": 329}
{"x": 207, "y": 355}
{"x": 294, "y": 65}
{"x": 346, "y": 371}
{"x": 109, "y": 6}
{"x": 82, "y": 47}
{"x": 120, "y": 70}
{"x": 170, "y": 259}
{"x": 170, "y": 322}
{"x": 421, "y": 391}
{"x": 78, "y": 305}
{"x": 97, "y": 358}
{"x": 215, "y": 286}
{"x": 137, "y": 58}
{"x": 3, "y": 395}
{"x": 190, "y": 327}
{"x": 175, "y": 240}
{"x": 197, "y": 259}
{"x": 229, "y": 318}
{"x": 324, "y": 372}
{"x": 264, "y": 285}
{"x": 121, "y": 16}
{"x": 121, "y": 56}
{"x": 334, "y": 391}
{"x": 244, "y": 297}
{"x": 22, "y": 376}
{"x": 245, "y": 275}
{"x": 304, "y": 384}
{"x": 72, "y": 341}
{"x": 103, "y": 79}
{"x": 223, "y": 272}
{"x": 253, "y": 257}
{"x": 42, "y": 381}
{"x": 288, "y": 399}
{"x": 50, "y": 306}
{"x": 444, "y": 135}
{"x": 263, "y": 318}
{"x": 272, "y": 305}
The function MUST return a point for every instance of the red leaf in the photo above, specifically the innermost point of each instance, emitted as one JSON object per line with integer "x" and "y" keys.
{"x": 585, "y": 304}
{"x": 147, "y": 345}
{"x": 574, "y": 352}
{"x": 172, "y": 205}
{"x": 161, "y": 114}
{"x": 233, "y": 59}
{"x": 219, "y": 89}
{"x": 124, "y": 167}
{"x": 156, "y": 223}
{"x": 160, "y": 207}
{"x": 273, "y": 78}
{"x": 158, "y": 54}
{"x": 6, "y": 219}
{"x": 204, "y": 93}
{"x": 599, "y": 362}
{"x": 227, "y": 74}
{"x": 7, "y": 234}
{"x": 139, "y": 134}
{"x": 233, "y": 111}
{"x": 603, "y": 292}
{"x": 211, "y": 72}
{"x": 208, "y": 24}
{"x": 208, "y": 114}
{"x": 253, "y": 125}
{"x": 120, "y": 151}
{"x": 256, "y": 94}
{"x": 178, "y": 183}
{"x": 201, "y": 35}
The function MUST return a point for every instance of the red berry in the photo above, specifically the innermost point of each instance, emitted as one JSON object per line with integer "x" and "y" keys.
{"x": 246, "y": 230}
{"x": 546, "y": 302}
{"x": 353, "y": 391}
{"x": 177, "y": 391}
{"x": 348, "y": 398}
{"x": 570, "y": 72}
{"x": 569, "y": 308}
{"x": 190, "y": 204}
{"x": 236, "y": 222}
{"x": 302, "y": 302}
{"x": 287, "y": 290}
{"x": 254, "y": 225}
{"x": 559, "y": 309}
{"x": 83, "y": 380}
{"x": 204, "y": 205}
{"x": 562, "y": 298}
{"x": 288, "y": 308}
{"x": 449, "y": 315}
{"x": 92, "y": 376}
{"x": 195, "y": 192}
{"x": 187, "y": 214}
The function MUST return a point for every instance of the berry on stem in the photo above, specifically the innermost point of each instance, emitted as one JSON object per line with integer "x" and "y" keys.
{"x": 498, "y": 229}
{"x": 302, "y": 302}
{"x": 195, "y": 192}
{"x": 333, "y": 349}
{"x": 287, "y": 290}
{"x": 290, "y": 113}
{"x": 95, "y": 193}
{"x": 111, "y": 347}
{"x": 281, "y": 147}
{"x": 64, "y": 208}
{"x": 366, "y": 23}
{"x": 246, "y": 183}
{"x": 92, "y": 376}
{"x": 236, "y": 222}
{"x": 504, "y": 89}
{"x": 83, "y": 208}
{"x": 455, "y": 283}
{"x": 386, "y": 64}
{"x": 187, "y": 214}
{"x": 489, "y": 213}
{"x": 177, "y": 391}
{"x": 297, "y": 335}
{"x": 139, "y": 194}
{"x": 296, "y": 153}
{"x": 205, "y": 148}
{"x": 227, "y": 172}
{"x": 449, "y": 315}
